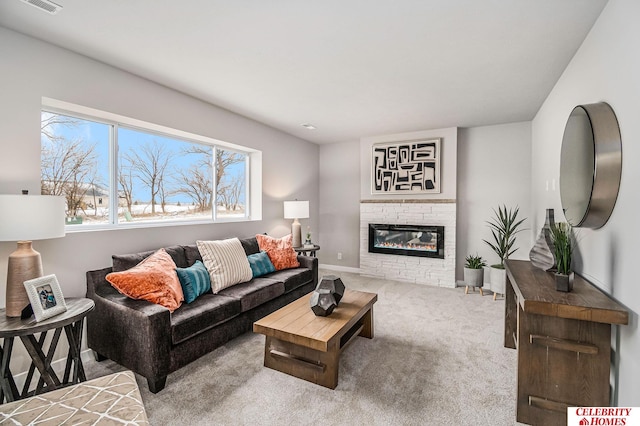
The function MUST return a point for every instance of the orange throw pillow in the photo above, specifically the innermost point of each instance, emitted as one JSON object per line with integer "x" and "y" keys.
{"x": 279, "y": 250}
{"x": 154, "y": 279}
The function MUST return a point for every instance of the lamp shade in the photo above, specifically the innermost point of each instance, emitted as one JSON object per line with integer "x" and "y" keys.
{"x": 296, "y": 209}
{"x": 31, "y": 217}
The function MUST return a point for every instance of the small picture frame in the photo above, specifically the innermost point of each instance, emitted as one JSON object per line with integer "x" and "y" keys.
{"x": 45, "y": 296}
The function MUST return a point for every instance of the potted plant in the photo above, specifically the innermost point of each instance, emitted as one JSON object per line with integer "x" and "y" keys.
{"x": 563, "y": 247}
{"x": 474, "y": 272}
{"x": 504, "y": 227}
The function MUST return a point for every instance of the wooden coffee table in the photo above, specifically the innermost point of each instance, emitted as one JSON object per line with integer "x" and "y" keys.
{"x": 306, "y": 346}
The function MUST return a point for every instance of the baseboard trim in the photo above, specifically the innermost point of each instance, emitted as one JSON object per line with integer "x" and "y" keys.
{"x": 339, "y": 268}
{"x": 57, "y": 365}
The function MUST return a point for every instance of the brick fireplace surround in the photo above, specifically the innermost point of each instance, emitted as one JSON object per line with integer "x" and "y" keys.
{"x": 419, "y": 270}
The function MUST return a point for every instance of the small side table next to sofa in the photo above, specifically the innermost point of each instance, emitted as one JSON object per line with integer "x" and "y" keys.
{"x": 307, "y": 251}
{"x": 71, "y": 322}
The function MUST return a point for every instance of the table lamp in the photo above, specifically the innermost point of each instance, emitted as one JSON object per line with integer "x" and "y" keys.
{"x": 24, "y": 218}
{"x": 296, "y": 210}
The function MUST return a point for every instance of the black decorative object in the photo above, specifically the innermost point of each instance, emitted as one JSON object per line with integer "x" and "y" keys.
{"x": 334, "y": 285}
{"x": 542, "y": 254}
{"x": 322, "y": 302}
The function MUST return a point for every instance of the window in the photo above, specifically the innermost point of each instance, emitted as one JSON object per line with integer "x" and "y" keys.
{"x": 116, "y": 174}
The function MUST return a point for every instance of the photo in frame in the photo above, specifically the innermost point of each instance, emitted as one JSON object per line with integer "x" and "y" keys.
{"x": 406, "y": 167}
{"x": 45, "y": 296}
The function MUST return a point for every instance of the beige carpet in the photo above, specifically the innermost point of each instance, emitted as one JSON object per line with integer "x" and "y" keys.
{"x": 436, "y": 359}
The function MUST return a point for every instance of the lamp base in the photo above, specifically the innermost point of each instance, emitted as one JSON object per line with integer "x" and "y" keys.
{"x": 24, "y": 264}
{"x": 296, "y": 233}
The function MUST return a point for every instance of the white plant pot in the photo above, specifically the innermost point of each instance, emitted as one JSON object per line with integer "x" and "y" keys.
{"x": 498, "y": 280}
{"x": 474, "y": 277}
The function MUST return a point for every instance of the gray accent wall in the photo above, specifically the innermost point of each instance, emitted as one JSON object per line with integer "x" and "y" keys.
{"x": 605, "y": 68}
{"x": 340, "y": 204}
{"x": 494, "y": 168}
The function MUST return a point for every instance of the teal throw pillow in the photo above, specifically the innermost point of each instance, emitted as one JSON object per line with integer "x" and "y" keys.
{"x": 194, "y": 281}
{"x": 260, "y": 264}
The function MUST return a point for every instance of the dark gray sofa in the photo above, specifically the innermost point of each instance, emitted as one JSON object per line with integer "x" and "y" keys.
{"x": 151, "y": 341}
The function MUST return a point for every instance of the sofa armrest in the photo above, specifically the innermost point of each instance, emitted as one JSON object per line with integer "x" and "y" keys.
{"x": 134, "y": 333}
{"x": 310, "y": 263}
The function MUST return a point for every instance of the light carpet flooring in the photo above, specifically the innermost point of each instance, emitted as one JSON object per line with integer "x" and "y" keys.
{"x": 437, "y": 358}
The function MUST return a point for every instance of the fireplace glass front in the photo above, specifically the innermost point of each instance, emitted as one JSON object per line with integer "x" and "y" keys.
{"x": 407, "y": 240}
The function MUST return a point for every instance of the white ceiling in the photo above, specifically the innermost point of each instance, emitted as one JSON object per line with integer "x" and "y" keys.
{"x": 352, "y": 68}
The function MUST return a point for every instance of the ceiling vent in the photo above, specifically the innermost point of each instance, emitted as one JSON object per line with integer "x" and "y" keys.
{"x": 46, "y": 5}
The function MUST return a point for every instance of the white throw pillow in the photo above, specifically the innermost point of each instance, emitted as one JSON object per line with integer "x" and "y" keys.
{"x": 226, "y": 262}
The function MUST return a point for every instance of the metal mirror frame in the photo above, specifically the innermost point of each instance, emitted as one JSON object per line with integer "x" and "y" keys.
{"x": 607, "y": 169}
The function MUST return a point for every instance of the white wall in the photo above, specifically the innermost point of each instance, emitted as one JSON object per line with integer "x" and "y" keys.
{"x": 605, "y": 68}
{"x": 32, "y": 69}
{"x": 340, "y": 204}
{"x": 494, "y": 168}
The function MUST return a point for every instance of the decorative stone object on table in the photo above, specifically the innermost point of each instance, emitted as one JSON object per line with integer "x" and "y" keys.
{"x": 322, "y": 302}
{"x": 542, "y": 253}
{"x": 334, "y": 285}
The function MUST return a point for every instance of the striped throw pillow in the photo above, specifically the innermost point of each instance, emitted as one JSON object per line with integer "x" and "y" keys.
{"x": 194, "y": 280}
{"x": 226, "y": 262}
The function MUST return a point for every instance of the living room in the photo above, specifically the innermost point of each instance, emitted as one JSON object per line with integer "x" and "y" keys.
{"x": 512, "y": 161}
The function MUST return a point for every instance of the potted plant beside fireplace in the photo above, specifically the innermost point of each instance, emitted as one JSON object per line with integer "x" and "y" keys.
{"x": 504, "y": 227}
{"x": 474, "y": 272}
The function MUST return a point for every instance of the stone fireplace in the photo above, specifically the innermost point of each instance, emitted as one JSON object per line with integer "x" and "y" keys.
{"x": 413, "y": 240}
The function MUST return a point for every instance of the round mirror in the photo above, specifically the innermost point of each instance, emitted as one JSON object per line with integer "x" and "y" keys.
{"x": 590, "y": 165}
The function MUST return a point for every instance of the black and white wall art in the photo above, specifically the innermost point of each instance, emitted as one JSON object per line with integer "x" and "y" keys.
{"x": 406, "y": 167}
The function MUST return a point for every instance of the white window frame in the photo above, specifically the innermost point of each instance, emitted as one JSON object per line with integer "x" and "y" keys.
{"x": 253, "y": 166}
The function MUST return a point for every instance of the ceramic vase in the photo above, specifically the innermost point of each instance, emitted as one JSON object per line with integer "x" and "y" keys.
{"x": 542, "y": 254}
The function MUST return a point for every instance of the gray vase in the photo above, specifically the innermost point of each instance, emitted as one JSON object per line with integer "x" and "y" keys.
{"x": 542, "y": 255}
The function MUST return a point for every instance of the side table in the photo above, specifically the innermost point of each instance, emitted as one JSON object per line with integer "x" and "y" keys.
{"x": 311, "y": 251}
{"x": 70, "y": 321}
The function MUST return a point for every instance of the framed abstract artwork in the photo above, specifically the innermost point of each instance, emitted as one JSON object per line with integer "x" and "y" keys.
{"x": 406, "y": 167}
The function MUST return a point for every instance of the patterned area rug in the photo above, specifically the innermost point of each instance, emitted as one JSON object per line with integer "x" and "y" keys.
{"x": 113, "y": 399}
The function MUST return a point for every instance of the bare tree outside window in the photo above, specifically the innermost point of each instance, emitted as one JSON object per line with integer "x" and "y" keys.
{"x": 196, "y": 181}
{"x": 150, "y": 165}
{"x": 69, "y": 163}
{"x": 230, "y": 177}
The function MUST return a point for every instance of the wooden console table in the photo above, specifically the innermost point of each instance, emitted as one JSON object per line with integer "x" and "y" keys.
{"x": 563, "y": 342}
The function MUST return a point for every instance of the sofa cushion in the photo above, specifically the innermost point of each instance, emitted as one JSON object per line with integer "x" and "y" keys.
{"x": 280, "y": 251}
{"x": 191, "y": 254}
{"x": 226, "y": 262}
{"x": 255, "y": 292}
{"x": 260, "y": 264}
{"x": 292, "y": 278}
{"x": 154, "y": 279}
{"x": 204, "y": 313}
{"x": 122, "y": 262}
{"x": 250, "y": 245}
{"x": 194, "y": 280}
